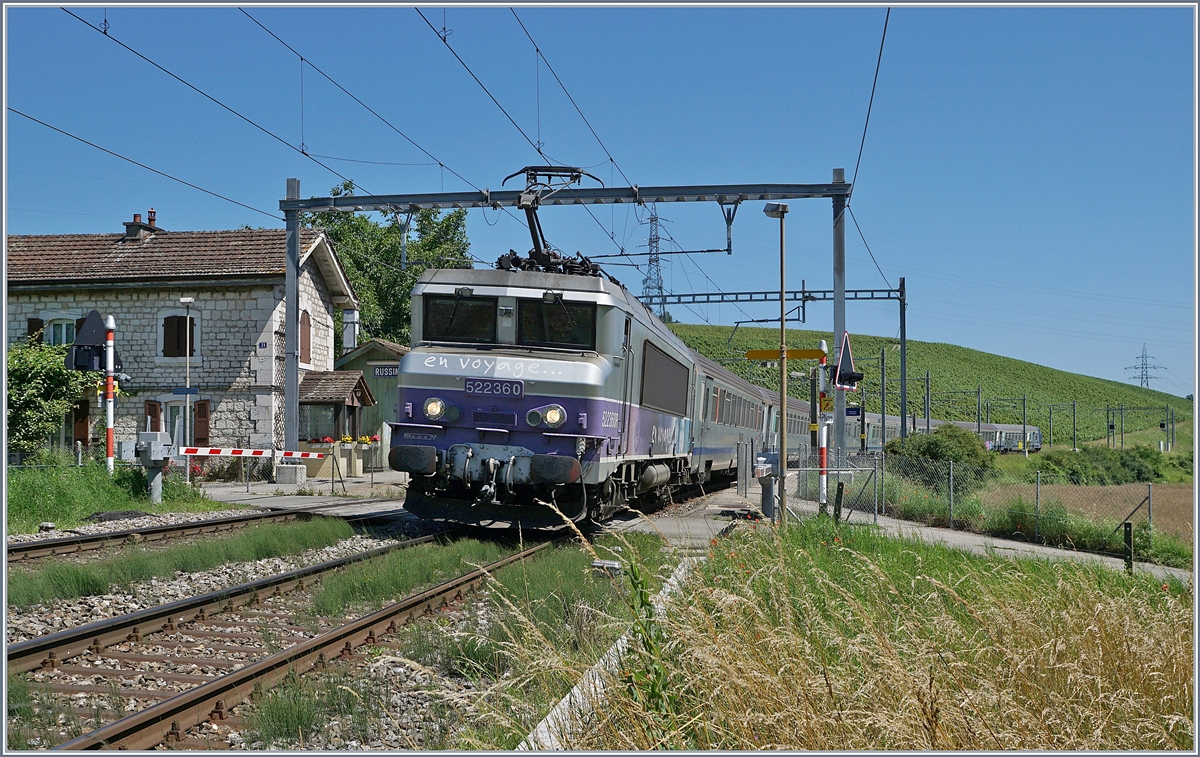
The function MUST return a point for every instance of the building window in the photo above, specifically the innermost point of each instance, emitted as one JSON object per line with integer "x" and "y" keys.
{"x": 60, "y": 332}
{"x": 305, "y": 337}
{"x": 176, "y": 341}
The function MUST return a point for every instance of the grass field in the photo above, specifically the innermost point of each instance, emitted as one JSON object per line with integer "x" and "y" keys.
{"x": 65, "y": 495}
{"x": 954, "y": 368}
{"x": 841, "y": 638}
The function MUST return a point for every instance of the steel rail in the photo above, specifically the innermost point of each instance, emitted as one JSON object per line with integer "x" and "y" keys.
{"x": 28, "y": 550}
{"x": 53, "y": 648}
{"x": 170, "y": 719}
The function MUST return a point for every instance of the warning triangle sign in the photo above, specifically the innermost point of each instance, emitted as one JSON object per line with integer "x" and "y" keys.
{"x": 845, "y": 377}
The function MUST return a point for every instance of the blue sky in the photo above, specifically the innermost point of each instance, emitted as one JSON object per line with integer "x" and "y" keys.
{"x": 1029, "y": 171}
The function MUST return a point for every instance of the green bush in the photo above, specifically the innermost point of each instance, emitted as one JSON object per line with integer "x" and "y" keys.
{"x": 1099, "y": 466}
{"x": 946, "y": 442}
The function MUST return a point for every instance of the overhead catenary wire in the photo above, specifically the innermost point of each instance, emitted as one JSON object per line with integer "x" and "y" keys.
{"x": 457, "y": 57}
{"x": 201, "y": 92}
{"x": 442, "y": 166}
{"x": 143, "y": 165}
{"x": 572, "y": 99}
{"x": 871, "y": 101}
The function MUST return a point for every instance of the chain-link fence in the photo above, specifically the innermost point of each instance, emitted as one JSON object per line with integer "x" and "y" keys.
{"x": 987, "y": 500}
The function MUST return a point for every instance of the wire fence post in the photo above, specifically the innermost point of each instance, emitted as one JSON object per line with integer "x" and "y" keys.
{"x": 1150, "y": 504}
{"x": 1037, "y": 506}
{"x": 951, "y": 494}
{"x": 1129, "y": 547}
{"x": 875, "y": 494}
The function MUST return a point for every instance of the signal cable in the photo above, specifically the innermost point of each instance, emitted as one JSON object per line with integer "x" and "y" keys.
{"x": 196, "y": 89}
{"x": 143, "y": 165}
{"x": 864, "y": 241}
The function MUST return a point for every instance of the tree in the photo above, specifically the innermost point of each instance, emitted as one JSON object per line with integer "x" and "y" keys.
{"x": 41, "y": 391}
{"x": 370, "y": 252}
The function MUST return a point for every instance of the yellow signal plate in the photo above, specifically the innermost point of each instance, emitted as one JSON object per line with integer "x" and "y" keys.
{"x": 792, "y": 354}
{"x": 827, "y": 404}
{"x": 812, "y": 427}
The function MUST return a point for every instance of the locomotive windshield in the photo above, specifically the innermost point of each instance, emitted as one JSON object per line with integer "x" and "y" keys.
{"x": 568, "y": 325}
{"x": 460, "y": 319}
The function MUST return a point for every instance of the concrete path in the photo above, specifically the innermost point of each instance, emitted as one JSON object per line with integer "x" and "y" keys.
{"x": 361, "y": 495}
{"x": 695, "y": 526}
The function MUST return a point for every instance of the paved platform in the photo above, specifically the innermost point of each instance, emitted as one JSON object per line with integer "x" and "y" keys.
{"x": 381, "y": 494}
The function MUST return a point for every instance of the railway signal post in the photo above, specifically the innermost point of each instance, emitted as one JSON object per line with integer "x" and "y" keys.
{"x": 110, "y": 328}
{"x": 779, "y": 210}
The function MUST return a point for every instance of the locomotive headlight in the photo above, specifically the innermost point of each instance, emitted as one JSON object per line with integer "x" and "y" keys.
{"x": 554, "y": 416}
{"x": 434, "y": 408}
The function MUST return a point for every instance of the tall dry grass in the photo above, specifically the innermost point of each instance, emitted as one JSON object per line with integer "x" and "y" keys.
{"x": 840, "y": 638}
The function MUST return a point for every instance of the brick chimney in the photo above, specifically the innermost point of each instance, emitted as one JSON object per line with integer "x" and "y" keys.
{"x": 136, "y": 231}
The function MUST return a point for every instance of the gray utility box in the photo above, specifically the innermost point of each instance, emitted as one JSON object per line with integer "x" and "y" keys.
{"x": 291, "y": 475}
{"x": 154, "y": 448}
{"x": 127, "y": 451}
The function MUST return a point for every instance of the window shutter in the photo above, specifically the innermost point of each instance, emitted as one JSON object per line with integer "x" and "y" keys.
{"x": 81, "y": 431}
{"x": 191, "y": 344}
{"x": 36, "y": 325}
{"x": 154, "y": 413}
{"x": 305, "y": 337}
{"x": 171, "y": 336}
{"x": 200, "y": 433}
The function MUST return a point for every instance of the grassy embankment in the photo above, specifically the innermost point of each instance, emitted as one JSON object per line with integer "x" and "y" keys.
{"x": 954, "y": 368}
{"x": 64, "y": 580}
{"x": 65, "y": 495}
{"x": 841, "y": 638}
{"x": 554, "y": 601}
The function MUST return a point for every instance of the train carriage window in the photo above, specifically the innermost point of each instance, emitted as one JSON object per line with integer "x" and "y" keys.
{"x": 459, "y": 319}
{"x": 665, "y": 381}
{"x": 570, "y": 325}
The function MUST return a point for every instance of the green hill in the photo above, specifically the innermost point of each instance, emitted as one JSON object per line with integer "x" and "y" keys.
{"x": 953, "y": 369}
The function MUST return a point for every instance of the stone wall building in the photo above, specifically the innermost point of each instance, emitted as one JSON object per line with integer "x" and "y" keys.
{"x": 237, "y": 359}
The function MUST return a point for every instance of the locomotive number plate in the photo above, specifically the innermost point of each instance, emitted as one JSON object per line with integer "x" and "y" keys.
{"x": 494, "y": 387}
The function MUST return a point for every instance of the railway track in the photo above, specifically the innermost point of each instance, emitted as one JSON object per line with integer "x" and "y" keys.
{"x": 177, "y": 665}
{"x": 67, "y": 545}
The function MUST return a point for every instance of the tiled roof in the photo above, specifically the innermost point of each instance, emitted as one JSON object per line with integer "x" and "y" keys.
{"x": 163, "y": 254}
{"x": 334, "y": 387}
{"x": 374, "y": 345}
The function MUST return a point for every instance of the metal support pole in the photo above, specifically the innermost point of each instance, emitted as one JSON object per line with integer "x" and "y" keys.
{"x": 839, "y": 304}
{"x": 1024, "y": 430}
{"x": 989, "y": 411}
{"x": 1074, "y": 427}
{"x": 951, "y": 517}
{"x": 927, "y": 402}
{"x": 1052, "y": 427}
{"x": 1122, "y": 425}
{"x": 1037, "y": 506}
{"x": 882, "y": 397}
{"x": 291, "y": 317}
{"x": 783, "y": 377}
{"x": 110, "y": 329}
{"x": 187, "y": 383}
{"x": 878, "y": 486}
{"x": 903, "y": 361}
{"x": 404, "y": 240}
{"x": 1150, "y": 504}
{"x": 813, "y": 406}
{"x": 979, "y": 410}
{"x": 823, "y": 471}
{"x": 1129, "y": 547}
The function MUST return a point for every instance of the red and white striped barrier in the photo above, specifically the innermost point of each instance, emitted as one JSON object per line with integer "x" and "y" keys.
{"x": 231, "y": 452}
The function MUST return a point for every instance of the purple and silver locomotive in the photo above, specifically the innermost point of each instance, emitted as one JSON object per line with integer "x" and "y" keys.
{"x": 532, "y": 398}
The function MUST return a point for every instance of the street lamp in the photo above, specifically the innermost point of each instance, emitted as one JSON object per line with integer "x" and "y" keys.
{"x": 779, "y": 210}
{"x": 187, "y": 303}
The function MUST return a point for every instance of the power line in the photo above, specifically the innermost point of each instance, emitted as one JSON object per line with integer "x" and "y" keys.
{"x": 477, "y": 81}
{"x": 372, "y": 111}
{"x": 143, "y": 165}
{"x": 199, "y": 91}
{"x": 871, "y": 101}
{"x": 372, "y": 162}
{"x": 864, "y": 241}
{"x": 572, "y": 99}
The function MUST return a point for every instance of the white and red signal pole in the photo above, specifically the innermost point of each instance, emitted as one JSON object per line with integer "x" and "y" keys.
{"x": 823, "y": 464}
{"x": 110, "y": 329}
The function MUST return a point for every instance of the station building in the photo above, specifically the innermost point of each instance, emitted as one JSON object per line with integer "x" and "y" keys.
{"x": 234, "y": 329}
